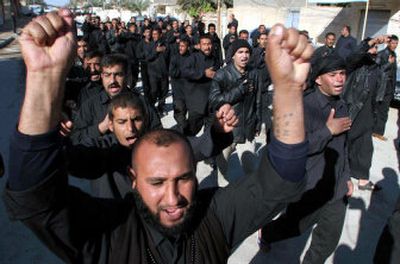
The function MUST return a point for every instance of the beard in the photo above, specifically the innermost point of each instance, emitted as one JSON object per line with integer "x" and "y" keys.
{"x": 154, "y": 219}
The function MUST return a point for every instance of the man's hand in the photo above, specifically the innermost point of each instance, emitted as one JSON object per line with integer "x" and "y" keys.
{"x": 48, "y": 48}
{"x": 103, "y": 125}
{"x": 391, "y": 59}
{"x": 160, "y": 48}
{"x": 66, "y": 128}
{"x": 226, "y": 119}
{"x": 350, "y": 188}
{"x": 379, "y": 40}
{"x": 287, "y": 57}
{"x": 209, "y": 73}
{"x": 48, "y": 43}
{"x": 337, "y": 125}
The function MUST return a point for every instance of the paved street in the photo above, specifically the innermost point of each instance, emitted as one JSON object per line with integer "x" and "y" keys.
{"x": 365, "y": 219}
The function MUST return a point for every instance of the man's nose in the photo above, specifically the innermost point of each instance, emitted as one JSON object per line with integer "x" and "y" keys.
{"x": 172, "y": 194}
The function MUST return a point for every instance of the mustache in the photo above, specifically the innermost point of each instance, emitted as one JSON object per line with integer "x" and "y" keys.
{"x": 154, "y": 219}
{"x": 115, "y": 84}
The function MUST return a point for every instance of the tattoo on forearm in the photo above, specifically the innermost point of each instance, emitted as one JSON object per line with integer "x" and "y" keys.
{"x": 282, "y": 124}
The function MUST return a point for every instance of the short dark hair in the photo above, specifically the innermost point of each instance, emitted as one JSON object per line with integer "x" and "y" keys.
{"x": 394, "y": 37}
{"x": 211, "y": 25}
{"x": 185, "y": 40}
{"x": 110, "y": 60}
{"x": 94, "y": 54}
{"x": 163, "y": 138}
{"x": 330, "y": 34}
{"x": 263, "y": 33}
{"x": 147, "y": 28}
{"x": 158, "y": 29}
{"x": 125, "y": 100}
{"x": 347, "y": 27}
{"x": 205, "y": 37}
{"x": 243, "y": 31}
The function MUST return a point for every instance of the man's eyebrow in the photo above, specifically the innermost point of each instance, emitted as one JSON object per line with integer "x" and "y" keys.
{"x": 186, "y": 174}
{"x": 155, "y": 178}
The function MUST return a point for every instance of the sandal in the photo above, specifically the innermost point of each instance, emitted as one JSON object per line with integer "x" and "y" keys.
{"x": 369, "y": 187}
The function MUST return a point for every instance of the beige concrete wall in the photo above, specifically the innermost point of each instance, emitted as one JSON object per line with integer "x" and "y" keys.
{"x": 318, "y": 20}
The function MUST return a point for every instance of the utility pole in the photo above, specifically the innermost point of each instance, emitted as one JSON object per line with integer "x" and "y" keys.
{"x": 219, "y": 18}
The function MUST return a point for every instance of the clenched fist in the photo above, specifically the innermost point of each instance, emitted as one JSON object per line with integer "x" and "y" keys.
{"x": 48, "y": 42}
{"x": 288, "y": 54}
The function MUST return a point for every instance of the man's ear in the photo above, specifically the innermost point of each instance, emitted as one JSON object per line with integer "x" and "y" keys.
{"x": 318, "y": 80}
{"x": 111, "y": 125}
{"x": 132, "y": 174}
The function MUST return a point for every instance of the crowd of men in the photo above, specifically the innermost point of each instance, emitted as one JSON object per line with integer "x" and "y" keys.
{"x": 320, "y": 111}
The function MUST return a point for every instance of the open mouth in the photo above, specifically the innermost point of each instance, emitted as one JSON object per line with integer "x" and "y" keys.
{"x": 131, "y": 139}
{"x": 114, "y": 89}
{"x": 174, "y": 214}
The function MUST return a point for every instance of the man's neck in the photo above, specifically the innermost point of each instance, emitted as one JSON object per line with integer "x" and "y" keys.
{"x": 240, "y": 69}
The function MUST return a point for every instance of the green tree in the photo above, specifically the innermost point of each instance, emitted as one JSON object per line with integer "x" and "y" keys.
{"x": 197, "y": 7}
{"x": 136, "y": 5}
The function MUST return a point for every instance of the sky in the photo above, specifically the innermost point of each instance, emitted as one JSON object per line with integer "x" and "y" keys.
{"x": 57, "y": 2}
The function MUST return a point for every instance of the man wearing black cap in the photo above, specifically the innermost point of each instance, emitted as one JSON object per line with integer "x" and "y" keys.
{"x": 328, "y": 175}
{"x": 239, "y": 86}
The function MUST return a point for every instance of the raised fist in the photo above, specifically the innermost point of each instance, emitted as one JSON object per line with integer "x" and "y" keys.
{"x": 288, "y": 54}
{"x": 48, "y": 43}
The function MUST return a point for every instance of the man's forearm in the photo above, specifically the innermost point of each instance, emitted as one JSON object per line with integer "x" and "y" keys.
{"x": 41, "y": 109}
{"x": 288, "y": 116}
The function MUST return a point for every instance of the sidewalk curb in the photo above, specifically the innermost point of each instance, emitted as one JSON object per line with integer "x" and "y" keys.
{"x": 7, "y": 41}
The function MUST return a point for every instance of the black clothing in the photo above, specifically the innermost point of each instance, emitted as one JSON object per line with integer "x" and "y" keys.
{"x": 321, "y": 52}
{"x": 113, "y": 41}
{"x": 93, "y": 111}
{"x": 385, "y": 90}
{"x": 95, "y": 38}
{"x": 257, "y": 61}
{"x": 234, "y": 22}
{"x": 143, "y": 67}
{"x": 227, "y": 42}
{"x": 77, "y": 78}
{"x": 301, "y": 216}
{"x": 130, "y": 41}
{"x": 179, "y": 89}
{"x": 243, "y": 93}
{"x": 198, "y": 89}
{"x": 157, "y": 71}
{"x": 327, "y": 164}
{"x": 359, "y": 94}
{"x": 107, "y": 167}
{"x": 327, "y": 172}
{"x": 217, "y": 49}
{"x": 82, "y": 229}
{"x": 345, "y": 46}
{"x": 193, "y": 41}
{"x": 89, "y": 90}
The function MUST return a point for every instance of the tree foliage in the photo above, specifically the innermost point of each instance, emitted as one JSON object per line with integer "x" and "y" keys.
{"x": 136, "y": 5}
{"x": 196, "y": 7}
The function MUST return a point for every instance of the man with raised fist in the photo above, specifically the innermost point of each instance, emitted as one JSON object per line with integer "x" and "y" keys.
{"x": 166, "y": 219}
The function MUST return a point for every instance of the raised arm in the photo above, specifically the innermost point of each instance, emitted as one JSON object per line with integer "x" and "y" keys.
{"x": 245, "y": 206}
{"x": 287, "y": 58}
{"x": 48, "y": 47}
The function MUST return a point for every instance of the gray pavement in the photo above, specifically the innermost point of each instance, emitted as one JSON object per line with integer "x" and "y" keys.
{"x": 365, "y": 218}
